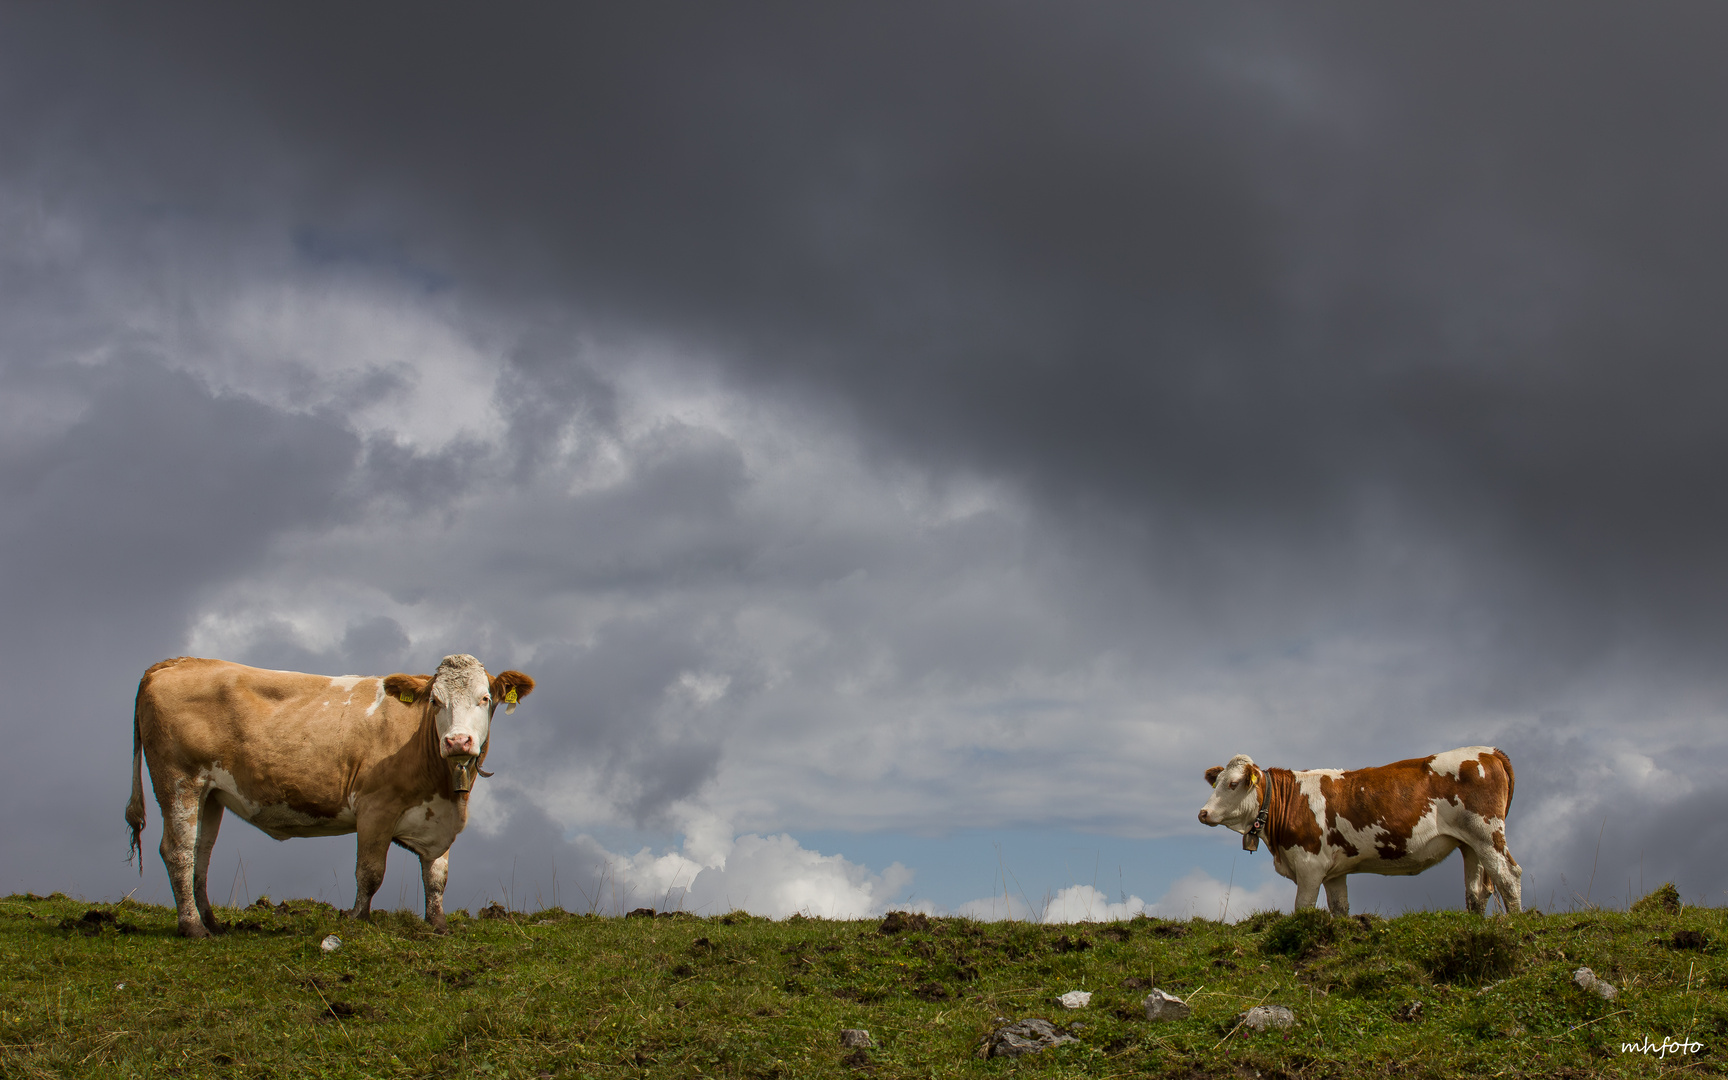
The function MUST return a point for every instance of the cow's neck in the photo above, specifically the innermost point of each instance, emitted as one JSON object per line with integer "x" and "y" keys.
{"x": 1280, "y": 796}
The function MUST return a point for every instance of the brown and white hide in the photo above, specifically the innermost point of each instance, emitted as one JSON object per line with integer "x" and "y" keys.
{"x": 1402, "y": 818}
{"x": 389, "y": 758}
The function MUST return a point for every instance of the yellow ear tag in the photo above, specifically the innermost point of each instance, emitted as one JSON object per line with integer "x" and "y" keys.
{"x": 510, "y": 695}
{"x": 407, "y": 697}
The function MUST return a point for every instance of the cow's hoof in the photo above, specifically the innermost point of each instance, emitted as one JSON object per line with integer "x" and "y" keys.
{"x": 193, "y": 929}
{"x": 440, "y": 927}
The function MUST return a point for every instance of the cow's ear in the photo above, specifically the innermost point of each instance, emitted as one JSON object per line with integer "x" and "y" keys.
{"x": 406, "y": 688}
{"x": 511, "y": 687}
{"x": 1212, "y": 775}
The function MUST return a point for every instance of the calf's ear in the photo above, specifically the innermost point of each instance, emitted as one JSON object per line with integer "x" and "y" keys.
{"x": 511, "y": 687}
{"x": 1212, "y": 775}
{"x": 406, "y": 688}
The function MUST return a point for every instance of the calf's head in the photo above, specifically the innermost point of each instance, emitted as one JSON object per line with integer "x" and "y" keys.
{"x": 463, "y": 699}
{"x": 1237, "y": 789}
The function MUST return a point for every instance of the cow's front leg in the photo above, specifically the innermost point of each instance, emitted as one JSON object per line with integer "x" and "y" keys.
{"x": 1338, "y": 895}
{"x": 179, "y": 849}
{"x": 209, "y": 824}
{"x": 1307, "y": 889}
{"x": 373, "y": 834}
{"x": 433, "y": 874}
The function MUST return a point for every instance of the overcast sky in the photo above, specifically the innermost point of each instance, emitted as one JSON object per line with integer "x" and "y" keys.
{"x": 907, "y": 444}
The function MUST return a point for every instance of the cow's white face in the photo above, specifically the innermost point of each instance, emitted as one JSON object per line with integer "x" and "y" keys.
{"x": 462, "y": 700}
{"x": 1235, "y": 797}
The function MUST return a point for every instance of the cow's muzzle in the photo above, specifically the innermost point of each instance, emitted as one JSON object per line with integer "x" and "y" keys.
{"x": 1204, "y": 820}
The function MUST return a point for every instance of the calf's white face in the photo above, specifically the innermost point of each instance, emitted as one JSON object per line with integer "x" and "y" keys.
{"x": 1235, "y": 796}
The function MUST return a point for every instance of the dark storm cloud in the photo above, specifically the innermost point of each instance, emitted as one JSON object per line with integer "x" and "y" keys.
{"x": 1229, "y": 272}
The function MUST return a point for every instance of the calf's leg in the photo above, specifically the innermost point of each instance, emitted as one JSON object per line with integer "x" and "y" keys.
{"x": 209, "y": 824}
{"x": 1338, "y": 895}
{"x": 433, "y": 874}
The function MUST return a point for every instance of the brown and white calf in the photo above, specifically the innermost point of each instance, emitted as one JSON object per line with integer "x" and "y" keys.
{"x": 391, "y": 759}
{"x": 1402, "y": 818}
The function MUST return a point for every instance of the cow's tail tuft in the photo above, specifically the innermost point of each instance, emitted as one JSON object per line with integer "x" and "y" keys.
{"x": 135, "y": 807}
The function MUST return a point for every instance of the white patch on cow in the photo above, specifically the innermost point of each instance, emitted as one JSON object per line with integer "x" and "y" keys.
{"x": 1450, "y": 762}
{"x": 215, "y": 777}
{"x": 346, "y": 682}
{"x": 1308, "y": 783}
{"x": 429, "y": 827}
{"x": 377, "y": 699}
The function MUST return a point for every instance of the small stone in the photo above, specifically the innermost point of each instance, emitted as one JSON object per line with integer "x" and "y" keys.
{"x": 331, "y": 943}
{"x": 1076, "y": 999}
{"x": 1587, "y": 980}
{"x": 1261, "y": 1017}
{"x": 1162, "y": 1006}
{"x": 1410, "y": 1013}
{"x": 1024, "y": 1037}
{"x": 855, "y": 1038}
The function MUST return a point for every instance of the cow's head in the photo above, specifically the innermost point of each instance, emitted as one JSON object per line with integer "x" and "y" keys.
{"x": 1237, "y": 789}
{"x": 463, "y": 699}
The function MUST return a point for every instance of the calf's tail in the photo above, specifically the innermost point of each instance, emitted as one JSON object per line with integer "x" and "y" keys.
{"x": 135, "y": 807}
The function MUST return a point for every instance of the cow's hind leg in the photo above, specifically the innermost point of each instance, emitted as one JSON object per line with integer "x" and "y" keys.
{"x": 1477, "y": 886}
{"x": 180, "y": 801}
{"x": 209, "y": 824}
{"x": 374, "y": 849}
{"x": 1338, "y": 895}
{"x": 433, "y": 874}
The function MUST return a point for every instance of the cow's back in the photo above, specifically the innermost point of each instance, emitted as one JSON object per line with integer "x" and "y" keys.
{"x": 277, "y": 737}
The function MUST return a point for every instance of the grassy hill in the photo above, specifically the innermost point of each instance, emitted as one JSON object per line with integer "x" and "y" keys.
{"x": 109, "y": 991}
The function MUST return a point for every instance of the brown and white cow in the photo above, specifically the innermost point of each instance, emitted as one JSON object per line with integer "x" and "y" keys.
{"x": 1402, "y": 818}
{"x": 391, "y": 759}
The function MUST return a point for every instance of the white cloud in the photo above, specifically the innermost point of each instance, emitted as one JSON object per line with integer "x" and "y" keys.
{"x": 1084, "y": 903}
{"x": 1198, "y": 893}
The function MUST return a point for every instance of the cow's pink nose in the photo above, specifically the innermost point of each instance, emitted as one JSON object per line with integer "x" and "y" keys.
{"x": 459, "y": 744}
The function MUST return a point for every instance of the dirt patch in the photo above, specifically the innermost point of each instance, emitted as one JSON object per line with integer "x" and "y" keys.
{"x": 92, "y": 921}
{"x": 904, "y": 920}
{"x": 931, "y": 991}
{"x": 1688, "y": 939}
{"x": 495, "y": 910}
{"x": 1066, "y": 944}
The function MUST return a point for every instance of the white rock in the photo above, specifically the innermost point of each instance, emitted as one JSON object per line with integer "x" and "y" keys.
{"x": 1261, "y": 1017}
{"x": 1076, "y": 999}
{"x": 1587, "y": 980}
{"x": 331, "y": 943}
{"x": 1162, "y": 1006}
{"x": 855, "y": 1037}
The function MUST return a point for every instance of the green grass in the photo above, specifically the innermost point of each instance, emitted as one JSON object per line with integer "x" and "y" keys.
{"x": 553, "y": 994}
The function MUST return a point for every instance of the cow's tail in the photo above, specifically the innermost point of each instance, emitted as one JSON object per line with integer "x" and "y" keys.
{"x": 135, "y": 807}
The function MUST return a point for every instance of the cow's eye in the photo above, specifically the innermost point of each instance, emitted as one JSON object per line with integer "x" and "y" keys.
{"x": 1233, "y": 784}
